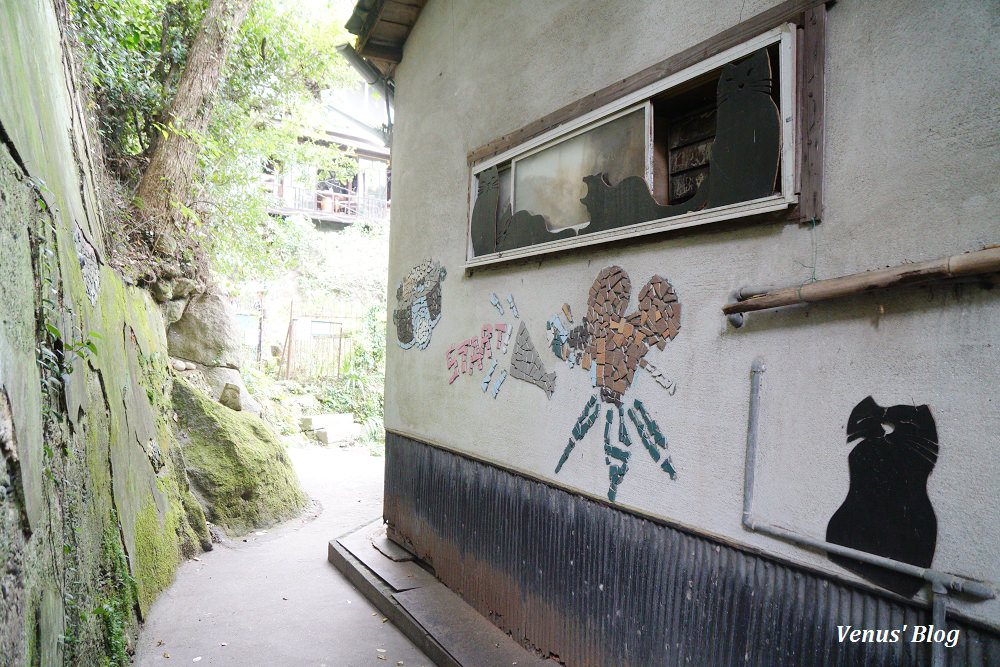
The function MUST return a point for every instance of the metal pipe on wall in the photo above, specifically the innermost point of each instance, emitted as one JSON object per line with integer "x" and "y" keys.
{"x": 941, "y": 582}
{"x": 742, "y": 294}
{"x": 955, "y": 266}
{"x": 939, "y": 614}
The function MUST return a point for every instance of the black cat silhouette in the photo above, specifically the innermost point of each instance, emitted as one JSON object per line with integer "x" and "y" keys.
{"x": 629, "y": 202}
{"x": 747, "y": 147}
{"x": 484, "y": 213}
{"x": 746, "y": 153}
{"x": 887, "y": 511}
{"x": 524, "y": 229}
{"x": 744, "y": 163}
{"x": 509, "y": 231}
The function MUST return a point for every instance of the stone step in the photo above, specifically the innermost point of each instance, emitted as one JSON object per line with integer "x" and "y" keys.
{"x": 331, "y": 428}
{"x": 442, "y": 625}
{"x": 332, "y": 422}
{"x": 338, "y": 436}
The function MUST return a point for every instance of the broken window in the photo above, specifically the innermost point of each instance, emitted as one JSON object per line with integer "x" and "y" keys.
{"x": 710, "y": 142}
{"x": 549, "y": 181}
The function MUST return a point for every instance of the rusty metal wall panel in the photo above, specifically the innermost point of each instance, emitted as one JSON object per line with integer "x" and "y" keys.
{"x": 596, "y": 586}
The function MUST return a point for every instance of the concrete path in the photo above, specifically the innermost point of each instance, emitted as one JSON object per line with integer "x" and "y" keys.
{"x": 274, "y": 599}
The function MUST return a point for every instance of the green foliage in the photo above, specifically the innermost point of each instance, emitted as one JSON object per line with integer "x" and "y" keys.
{"x": 350, "y": 265}
{"x": 55, "y": 354}
{"x": 156, "y": 552}
{"x": 360, "y": 389}
{"x": 276, "y": 407}
{"x": 236, "y": 463}
{"x": 263, "y": 112}
{"x": 282, "y": 60}
{"x": 136, "y": 50}
{"x": 118, "y": 596}
{"x": 55, "y": 358}
{"x": 373, "y": 434}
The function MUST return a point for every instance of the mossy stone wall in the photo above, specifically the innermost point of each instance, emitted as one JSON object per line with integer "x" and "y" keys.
{"x": 89, "y": 467}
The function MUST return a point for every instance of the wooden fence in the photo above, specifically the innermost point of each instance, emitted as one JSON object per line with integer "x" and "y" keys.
{"x": 315, "y": 352}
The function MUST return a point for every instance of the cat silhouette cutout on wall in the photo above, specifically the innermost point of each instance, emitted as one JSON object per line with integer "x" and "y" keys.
{"x": 887, "y": 511}
{"x": 484, "y": 213}
{"x": 747, "y": 148}
{"x": 629, "y": 202}
{"x": 496, "y": 233}
{"x": 746, "y": 153}
{"x": 525, "y": 229}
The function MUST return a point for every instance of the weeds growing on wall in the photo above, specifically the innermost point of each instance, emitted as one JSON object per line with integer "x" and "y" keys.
{"x": 55, "y": 354}
{"x": 118, "y": 596}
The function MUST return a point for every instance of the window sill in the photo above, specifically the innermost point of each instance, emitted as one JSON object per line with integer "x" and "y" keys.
{"x": 756, "y": 207}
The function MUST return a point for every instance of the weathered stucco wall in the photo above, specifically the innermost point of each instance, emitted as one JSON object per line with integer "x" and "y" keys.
{"x": 95, "y": 506}
{"x": 910, "y": 173}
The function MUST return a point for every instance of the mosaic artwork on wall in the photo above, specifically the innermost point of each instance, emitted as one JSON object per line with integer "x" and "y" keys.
{"x": 418, "y": 304}
{"x": 887, "y": 511}
{"x": 611, "y": 346}
{"x": 527, "y": 365}
{"x": 475, "y": 353}
{"x": 467, "y": 356}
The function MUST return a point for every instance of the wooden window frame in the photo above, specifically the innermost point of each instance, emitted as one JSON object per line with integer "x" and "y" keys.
{"x": 797, "y": 26}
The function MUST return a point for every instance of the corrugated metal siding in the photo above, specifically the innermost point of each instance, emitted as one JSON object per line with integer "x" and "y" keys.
{"x": 595, "y": 586}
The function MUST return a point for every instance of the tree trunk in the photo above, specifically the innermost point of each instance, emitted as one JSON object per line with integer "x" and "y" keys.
{"x": 168, "y": 177}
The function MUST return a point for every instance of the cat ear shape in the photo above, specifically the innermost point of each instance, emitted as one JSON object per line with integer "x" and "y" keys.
{"x": 746, "y": 152}
{"x": 759, "y": 64}
{"x": 865, "y": 420}
{"x": 925, "y": 420}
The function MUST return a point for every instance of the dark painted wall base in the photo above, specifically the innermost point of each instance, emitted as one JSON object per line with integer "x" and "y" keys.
{"x": 595, "y": 586}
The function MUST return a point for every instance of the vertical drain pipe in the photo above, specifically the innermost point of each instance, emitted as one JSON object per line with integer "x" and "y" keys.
{"x": 756, "y": 371}
{"x": 940, "y": 582}
{"x": 939, "y": 603}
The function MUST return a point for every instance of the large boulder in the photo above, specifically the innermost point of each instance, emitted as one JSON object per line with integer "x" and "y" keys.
{"x": 236, "y": 465}
{"x": 207, "y": 332}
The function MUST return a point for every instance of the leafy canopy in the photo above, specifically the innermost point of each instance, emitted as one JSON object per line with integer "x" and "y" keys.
{"x": 270, "y": 91}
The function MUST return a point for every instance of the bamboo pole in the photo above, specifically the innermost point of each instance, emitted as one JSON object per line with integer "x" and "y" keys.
{"x": 955, "y": 266}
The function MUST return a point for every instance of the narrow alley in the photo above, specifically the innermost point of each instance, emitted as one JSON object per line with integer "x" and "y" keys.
{"x": 274, "y": 599}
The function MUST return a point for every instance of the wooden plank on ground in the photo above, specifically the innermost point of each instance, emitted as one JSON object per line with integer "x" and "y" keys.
{"x": 400, "y": 575}
{"x": 390, "y": 549}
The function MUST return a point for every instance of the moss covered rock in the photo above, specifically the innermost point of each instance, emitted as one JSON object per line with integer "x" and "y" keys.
{"x": 235, "y": 463}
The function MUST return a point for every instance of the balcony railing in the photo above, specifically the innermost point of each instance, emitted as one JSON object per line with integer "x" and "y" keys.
{"x": 327, "y": 204}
